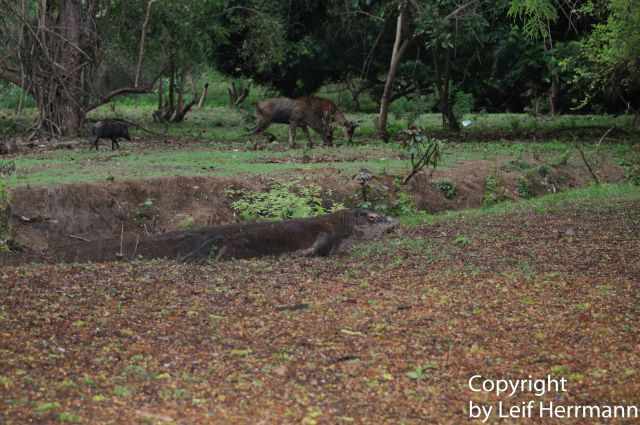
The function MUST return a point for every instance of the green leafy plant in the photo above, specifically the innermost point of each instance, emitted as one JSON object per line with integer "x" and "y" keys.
{"x": 420, "y": 372}
{"x": 523, "y": 187}
{"x": 423, "y": 151}
{"x": 461, "y": 241}
{"x": 494, "y": 190}
{"x": 403, "y": 205}
{"x": 447, "y": 188}
{"x": 283, "y": 201}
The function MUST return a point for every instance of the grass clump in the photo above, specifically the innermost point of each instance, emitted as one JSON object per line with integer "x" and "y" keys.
{"x": 517, "y": 165}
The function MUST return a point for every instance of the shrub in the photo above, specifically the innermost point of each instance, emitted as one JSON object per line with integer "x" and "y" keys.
{"x": 283, "y": 201}
{"x": 424, "y": 151}
{"x": 463, "y": 103}
{"x": 494, "y": 191}
{"x": 523, "y": 188}
{"x": 447, "y": 188}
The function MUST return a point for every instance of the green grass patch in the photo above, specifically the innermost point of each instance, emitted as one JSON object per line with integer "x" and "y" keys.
{"x": 215, "y": 159}
{"x": 602, "y": 194}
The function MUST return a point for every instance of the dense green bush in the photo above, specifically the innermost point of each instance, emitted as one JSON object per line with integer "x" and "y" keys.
{"x": 447, "y": 188}
{"x": 283, "y": 201}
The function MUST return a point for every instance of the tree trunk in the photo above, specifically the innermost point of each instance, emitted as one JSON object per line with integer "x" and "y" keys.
{"x": 203, "y": 97}
{"x": 142, "y": 38}
{"x": 443, "y": 77}
{"x": 160, "y": 94}
{"x": 56, "y": 50}
{"x": 554, "y": 92}
{"x": 449, "y": 117}
{"x": 172, "y": 87}
{"x": 398, "y": 50}
{"x": 57, "y": 85}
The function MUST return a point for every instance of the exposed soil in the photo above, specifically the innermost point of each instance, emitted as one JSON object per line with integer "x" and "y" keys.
{"x": 42, "y": 217}
{"x": 388, "y": 334}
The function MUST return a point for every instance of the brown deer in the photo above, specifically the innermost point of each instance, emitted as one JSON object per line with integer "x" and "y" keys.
{"x": 315, "y": 112}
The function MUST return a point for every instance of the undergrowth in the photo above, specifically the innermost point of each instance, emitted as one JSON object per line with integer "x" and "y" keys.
{"x": 593, "y": 196}
{"x": 7, "y": 172}
{"x": 283, "y": 201}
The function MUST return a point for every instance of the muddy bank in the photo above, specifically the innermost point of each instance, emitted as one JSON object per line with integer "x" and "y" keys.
{"x": 41, "y": 218}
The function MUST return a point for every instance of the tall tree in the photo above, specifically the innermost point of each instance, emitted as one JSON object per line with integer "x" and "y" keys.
{"x": 441, "y": 30}
{"x": 607, "y": 66}
{"x": 179, "y": 37}
{"x": 53, "y": 50}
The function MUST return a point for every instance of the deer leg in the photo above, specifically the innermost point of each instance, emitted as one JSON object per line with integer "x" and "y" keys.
{"x": 306, "y": 131}
{"x": 292, "y": 135}
{"x": 328, "y": 138}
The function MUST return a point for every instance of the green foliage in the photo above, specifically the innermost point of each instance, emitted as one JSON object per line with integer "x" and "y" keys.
{"x": 463, "y": 103}
{"x": 10, "y": 96}
{"x": 515, "y": 125}
{"x": 412, "y": 108}
{"x": 632, "y": 168}
{"x": 424, "y": 151}
{"x": 535, "y": 15}
{"x": 421, "y": 372}
{"x": 461, "y": 241}
{"x": 447, "y": 188}
{"x": 606, "y": 62}
{"x": 494, "y": 191}
{"x": 517, "y": 165}
{"x": 69, "y": 417}
{"x": 522, "y": 187}
{"x": 403, "y": 205}
{"x": 122, "y": 391}
{"x": 47, "y": 407}
{"x": 295, "y": 47}
{"x": 562, "y": 159}
{"x": 281, "y": 202}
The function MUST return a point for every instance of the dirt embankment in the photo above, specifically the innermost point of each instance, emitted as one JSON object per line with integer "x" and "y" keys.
{"x": 45, "y": 216}
{"x": 42, "y": 218}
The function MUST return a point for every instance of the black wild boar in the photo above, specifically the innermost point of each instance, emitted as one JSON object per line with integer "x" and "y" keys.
{"x": 109, "y": 129}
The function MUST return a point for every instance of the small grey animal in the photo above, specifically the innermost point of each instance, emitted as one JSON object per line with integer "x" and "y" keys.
{"x": 110, "y": 129}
